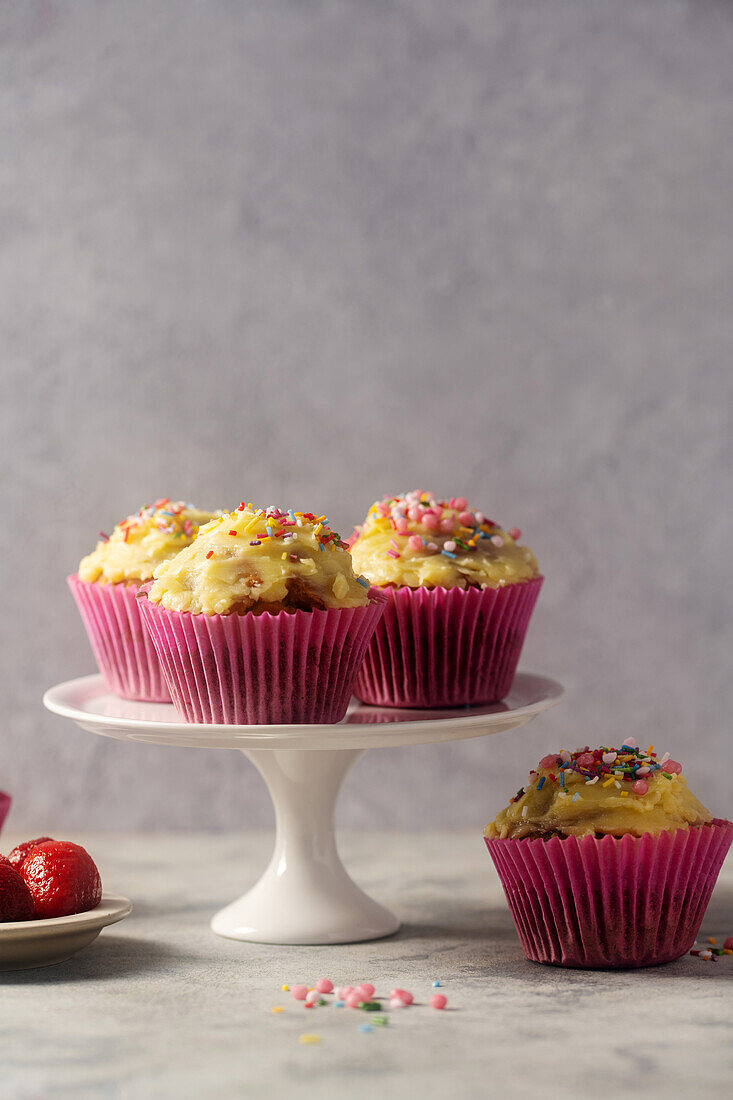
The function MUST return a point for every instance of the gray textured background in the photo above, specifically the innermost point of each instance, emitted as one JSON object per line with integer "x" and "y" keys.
{"x": 309, "y": 253}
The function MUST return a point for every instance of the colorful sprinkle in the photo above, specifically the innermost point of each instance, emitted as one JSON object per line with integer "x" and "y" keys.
{"x": 401, "y": 995}
{"x": 611, "y": 766}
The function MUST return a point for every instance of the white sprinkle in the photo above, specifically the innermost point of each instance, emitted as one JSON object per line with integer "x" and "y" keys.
{"x": 590, "y": 782}
{"x": 525, "y": 811}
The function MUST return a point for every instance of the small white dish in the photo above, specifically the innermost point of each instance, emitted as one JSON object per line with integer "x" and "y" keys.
{"x": 28, "y": 943}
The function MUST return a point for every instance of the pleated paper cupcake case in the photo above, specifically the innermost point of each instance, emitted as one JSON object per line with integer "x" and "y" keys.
{"x": 628, "y": 902}
{"x": 119, "y": 639}
{"x": 447, "y": 647}
{"x": 258, "y": 669}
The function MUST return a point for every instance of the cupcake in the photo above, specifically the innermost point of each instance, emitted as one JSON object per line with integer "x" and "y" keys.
{"x": 261, "y": 620}
{"x": 607, "y": 859}
{"x": 105, "y": 589}
{"x": 460, "y": 594}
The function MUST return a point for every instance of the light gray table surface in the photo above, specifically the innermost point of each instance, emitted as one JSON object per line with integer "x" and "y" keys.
{"x": 159, "y": 1007}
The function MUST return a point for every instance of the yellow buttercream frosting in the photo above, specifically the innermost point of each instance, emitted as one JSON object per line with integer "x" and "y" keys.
{"x": 598, "y": 792}
{"x": 141, "y": 542}
{"x": 260, "y": 560}
{"x": 418, "y": 541}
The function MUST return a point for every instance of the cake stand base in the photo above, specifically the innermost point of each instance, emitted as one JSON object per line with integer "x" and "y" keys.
{"x": 305, "y": 896}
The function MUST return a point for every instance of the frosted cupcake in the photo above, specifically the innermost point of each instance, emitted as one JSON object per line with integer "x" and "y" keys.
{"x": 607, "y": 859}
{"x": 460, "y": 590}
{"x": 105, "y": 589}
{"x": 261, "y": 620}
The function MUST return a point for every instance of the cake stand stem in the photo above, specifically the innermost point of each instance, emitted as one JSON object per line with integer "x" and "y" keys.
{"x": 305, "y": 896}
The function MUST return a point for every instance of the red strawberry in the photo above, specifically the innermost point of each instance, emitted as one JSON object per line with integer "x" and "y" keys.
{"x": 18, "y": 854}
{"x": 62, "y": 878}
{"x": 16, "y": 902}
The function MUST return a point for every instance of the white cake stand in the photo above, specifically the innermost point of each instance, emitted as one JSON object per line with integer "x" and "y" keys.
{"x": 305, "y": 896}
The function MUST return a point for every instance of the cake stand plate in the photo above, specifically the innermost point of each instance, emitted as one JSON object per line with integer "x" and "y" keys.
{"x": 305, "y": 896}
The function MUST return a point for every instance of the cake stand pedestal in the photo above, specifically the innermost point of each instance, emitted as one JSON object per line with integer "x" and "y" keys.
{"x": 305, "y": 896}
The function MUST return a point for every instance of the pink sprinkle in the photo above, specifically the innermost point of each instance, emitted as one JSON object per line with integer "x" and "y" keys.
{"x": 466, "y": 518}
{"x": 459, "y": 503}
{"x": 672, "y": 767}
{"x": 354, "y": 1000}
{"x": 630, "y": 741}
{"x": 450, "y": 546}
{"x": 585, "y": 759}
{"x": 438, "y": 1000}
{"x": 430, "y": 521}
{"x": 396, "y": 545}
{"x": 497, "y": 540}
{"x": 447, "y": 525}
{"x": 609, "y": 757}
{"x": 300, "y": 992}
{"x": 640, "y": 787}
{"x": 642, "y": 771}
{"x": 392, "y": 554}
{"x": 728, "y": 944}
{"x": 343, "y": 992}
{"x": 432, "y": 546}
{"x": 514, "y": 533}
{"x": 383, "y": 509}
{"x": 415, "y": 514}
{"x": 402, "y": 995}
{"x": 402, "y": 525}
{"x": 549, "y": 761}
{"x": 365, "y": 991}
{"x": 323, "y": 985}
{"x": 415, "y": 542}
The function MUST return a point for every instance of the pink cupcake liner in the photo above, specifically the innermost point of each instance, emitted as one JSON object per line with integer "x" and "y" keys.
{"x": 611, "y": 902}
{"x": 120, "y": 642}
{"x": 295, "y": 666}
{"x": 447, "y": 647}
{"x": 5, "y": 801}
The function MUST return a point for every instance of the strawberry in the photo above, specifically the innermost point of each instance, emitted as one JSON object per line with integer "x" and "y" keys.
{"x": 16, "y": 902}
{"x": 18, "y": 854}
{"x": 62, "y": 878}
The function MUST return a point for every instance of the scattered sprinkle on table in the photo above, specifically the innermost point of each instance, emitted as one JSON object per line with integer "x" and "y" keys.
{"x": 308, "y": 1039}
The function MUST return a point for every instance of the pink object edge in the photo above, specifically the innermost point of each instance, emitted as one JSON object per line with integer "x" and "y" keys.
{"x": 119, "y": 639}
{"x": 5, "y": 803}
{"x": 447, "y": 647}
{"x": 613, "y": 902}
{"x": 295, "y": 666}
